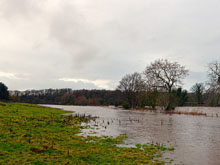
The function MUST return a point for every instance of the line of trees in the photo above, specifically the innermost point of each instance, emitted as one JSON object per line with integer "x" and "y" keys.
{"x": 76, "y": 97}
{"x": 160, "y": 85}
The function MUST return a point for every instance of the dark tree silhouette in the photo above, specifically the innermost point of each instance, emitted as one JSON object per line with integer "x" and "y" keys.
{"x": 180, "y": 95}
{"x": 4, "y": 94}
{"x": 198, "y": 89}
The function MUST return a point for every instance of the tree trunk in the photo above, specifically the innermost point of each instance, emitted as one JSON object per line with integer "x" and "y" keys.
{"x": 169, "y": 106}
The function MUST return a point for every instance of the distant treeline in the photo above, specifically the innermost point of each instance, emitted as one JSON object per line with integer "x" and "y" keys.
{"x": 75, "y": 97}
{"x": 116, "y": 97}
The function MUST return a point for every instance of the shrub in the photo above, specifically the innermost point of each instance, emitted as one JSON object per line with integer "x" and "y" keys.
{"x": 4, "y": 94}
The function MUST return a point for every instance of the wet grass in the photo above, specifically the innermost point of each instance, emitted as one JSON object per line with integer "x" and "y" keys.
{"x": 31, "y": 134}
{"x": 197, "y": 113}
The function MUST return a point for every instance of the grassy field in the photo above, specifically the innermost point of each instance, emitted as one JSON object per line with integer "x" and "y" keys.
{"x": 31, "y": 134}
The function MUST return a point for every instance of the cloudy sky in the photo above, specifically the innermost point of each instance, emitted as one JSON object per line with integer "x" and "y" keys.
{"x": 93, "y": 43}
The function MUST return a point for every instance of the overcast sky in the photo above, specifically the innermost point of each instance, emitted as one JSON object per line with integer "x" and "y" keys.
{"x": 94, "y": 43}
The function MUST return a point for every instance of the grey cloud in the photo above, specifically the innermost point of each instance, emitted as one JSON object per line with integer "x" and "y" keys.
{"x": 20, "y": 9}
{"x": 68, "y": 27}
{"x": 45, "y": 40}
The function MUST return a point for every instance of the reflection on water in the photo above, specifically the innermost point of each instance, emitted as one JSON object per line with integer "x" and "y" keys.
{"x": 196, "y": 138}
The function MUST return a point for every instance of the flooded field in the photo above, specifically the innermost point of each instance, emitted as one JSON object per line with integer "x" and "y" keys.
{"x": 196, "y": 139}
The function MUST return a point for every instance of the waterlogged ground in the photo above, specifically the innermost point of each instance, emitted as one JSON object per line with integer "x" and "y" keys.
{"x": 196, "y": 139}
{"x": 31, "y": 134}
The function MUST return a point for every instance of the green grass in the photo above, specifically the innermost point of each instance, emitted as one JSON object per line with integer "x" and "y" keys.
{"x": 31, "y": 134}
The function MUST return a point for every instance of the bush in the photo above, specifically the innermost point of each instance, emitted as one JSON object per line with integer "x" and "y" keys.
{"x": 126, "y": 106}
{"x": 4, "y": 94}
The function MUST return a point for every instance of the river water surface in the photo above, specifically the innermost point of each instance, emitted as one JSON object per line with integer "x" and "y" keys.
{"x": 196, "y": 139}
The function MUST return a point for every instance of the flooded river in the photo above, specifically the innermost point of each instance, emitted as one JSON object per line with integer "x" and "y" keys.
{"x": 196, "y": 139}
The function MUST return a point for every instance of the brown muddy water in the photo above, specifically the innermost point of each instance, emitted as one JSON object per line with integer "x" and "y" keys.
{"x": 196, "y": 139}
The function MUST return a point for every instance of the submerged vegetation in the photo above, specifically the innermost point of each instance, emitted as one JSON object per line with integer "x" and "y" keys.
{"x": 31, "y": 134}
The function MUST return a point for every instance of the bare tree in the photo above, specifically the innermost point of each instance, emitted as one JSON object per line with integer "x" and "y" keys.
{"x": 131, "y": 85}
{"x": 214, "y": 83}
{"x": 165, "y": 75}
{"x": 214, "y": 75}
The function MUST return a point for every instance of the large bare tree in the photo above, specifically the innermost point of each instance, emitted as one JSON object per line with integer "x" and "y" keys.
{"x": 131, "y": 85}
{"x": 214, "y": 74}
{"x": 214, "y": 83}
{"x": 165, "y": 75}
